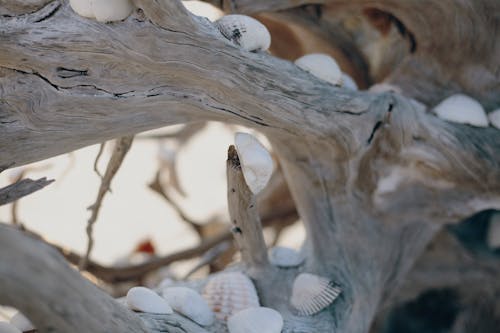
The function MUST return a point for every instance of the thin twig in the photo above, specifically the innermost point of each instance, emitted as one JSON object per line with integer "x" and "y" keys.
{"x": 21, "y": 188}
{"x": 209, "y": 257}
{"x": 120, "y": 150}
{"x": 97, "y": 158}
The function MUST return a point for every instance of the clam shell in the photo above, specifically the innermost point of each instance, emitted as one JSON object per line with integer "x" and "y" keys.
{"x": 494, "y": 117}
{"x": 462, "y": 109}
{"x": 229, "y": 293}
{"x": 21, "y": 322}
{"x": 145, "y": 300}
{"x": 312, "y": 293}
{"x": 5, "y": 327}
{"x": 322, "y": 66}
{"x": 256, "y": 320}
{"x": 285, "y": 257}
{"x": 256, "y": 162}
{"x": 348, "y": 82}
{"x": 189, "y": 303}
{"x": 493, "y": 238}
{"x": 111, "y": 10}
{"x": 82, "y": 8}
{"x": 245, "y": 32}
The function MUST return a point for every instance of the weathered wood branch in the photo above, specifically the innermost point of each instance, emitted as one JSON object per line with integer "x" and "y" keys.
{"x": 21, "y": 189}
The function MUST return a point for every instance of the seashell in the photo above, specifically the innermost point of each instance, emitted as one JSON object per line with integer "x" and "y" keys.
{"x": 494, "y": 117}
{"x": 111, "y": 10}
{"x": 5, "y": 327}
{"x": 462, "y": 109}
{"x": 21, "y": 322}
{"x": 256, "y": 162}
{"x": 145, "y": 300}
{"x": 189, "y": 303}
{"x": 348, "y": 82}
{"x": 245, "y": 32}
{"x": 256, "y": 320}
{"x": 322, "y": 66}
{"x": 229, "y": 293}
{"x": 285, "y": 257}
{"x": 384, "y": 87}
{"x": 312, "y": 293}
{"x": 82, "y": 8}
{"x": 493, "y": 237}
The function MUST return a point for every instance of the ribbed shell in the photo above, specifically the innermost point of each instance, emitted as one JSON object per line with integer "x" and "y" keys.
{"x": 312, "y": 293}
{"x": 245, "y": 32}
{"x": 229, "y": 293}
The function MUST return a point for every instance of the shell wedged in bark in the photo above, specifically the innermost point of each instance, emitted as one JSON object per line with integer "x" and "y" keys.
{"x": 189, "y": 303}
{"x": 256, "y": 320}
{"x": 82, "y": 8}
{"x": 111, "y": 10}
{"x": 312, "y": 293}
{"x": 228, "y": 293}
{"x": 20, "y": 321}
{"x": 322, "y": 66}
{"x": 145, "y": 300}
{"x": 462, "y": 109}
{"x": 245, "y": 32}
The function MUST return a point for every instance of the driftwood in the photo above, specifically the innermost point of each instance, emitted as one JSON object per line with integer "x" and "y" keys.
{"x": 374, "y": 176}
{"x": 21, "y": 189}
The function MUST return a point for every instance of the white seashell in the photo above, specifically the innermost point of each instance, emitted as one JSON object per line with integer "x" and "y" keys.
{"x": 229, "y": 293}
{"x": 322, "y": 66}
{"x": 493, "y": 238}
{"x": 21, "y": 322}
{"x": 312, "y": 293}
{"x": 462, "y": 109}
{"x": 348, "y": 82}
{"x": 245, "y": 32}
{"x": 285, "y": 257}
{"x": 256, "y": 320}
{"x": 384, "y": 87}
{"x": 494, "y": 117}
{"x": 145, "y": 300}
{"x": 256, "y": 162}
{"x": 5, "y": 327}
{"x": 111, "y": 10}
{"x": 82, "y": 8}
{"x": 190, "y": 304}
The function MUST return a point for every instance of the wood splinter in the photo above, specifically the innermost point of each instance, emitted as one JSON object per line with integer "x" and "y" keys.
{"x": 247, "y": 228}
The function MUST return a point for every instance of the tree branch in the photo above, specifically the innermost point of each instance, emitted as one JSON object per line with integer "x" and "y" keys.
{"x": 21, "y": 189}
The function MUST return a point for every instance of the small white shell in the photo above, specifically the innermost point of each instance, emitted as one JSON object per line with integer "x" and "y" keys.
{"x": 493, "y": 238}
{"x": 256, "y": 162}
{"x": 5, "y": 327}
{"x": 145, "y": 300}
{"x": 21, "y": 322}
{"x": 462, "y": 109}
{"x": 384, "y": 87}
{"x": 348, "y": 82}
{"x": 256, "y": 320}
{"x": 229, "y": 293}
{"x": 494, "y": 117}
{"x": 111, "y": 10}
{"x": 312, "y": 293}
{"x": 82, "y": 8}
{"x": 245, "y": 32}
{"x": 285, "y": 257}
{"x": 322, "y": 66}
{"x": 190, "y": 304}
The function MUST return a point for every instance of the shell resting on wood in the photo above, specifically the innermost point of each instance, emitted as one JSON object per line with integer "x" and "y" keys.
{"x": 285, "y": 257}
{"x": 312, "y": 293}
{"x": 21, "y": 322}
{"x": 494, "y": 117}
{"x": 229, "y": 293}
{"x": 462, "y": 109}
{"x": 256, "y": 320}
{"x": 8, "y": 328}
{"x": 190, "y": 304}
{"x": 145, "y": 300}
{"x": 322, "y": 66}
{"x": 103, "y": 10}
{"x": 245, "y": 32}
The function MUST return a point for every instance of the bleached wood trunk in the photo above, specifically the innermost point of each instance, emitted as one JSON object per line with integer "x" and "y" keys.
{"x": 374, "y": 176}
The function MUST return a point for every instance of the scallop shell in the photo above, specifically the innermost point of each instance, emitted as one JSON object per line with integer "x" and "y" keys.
{"x": 189, "y": 303}
{"x": 5, "y": 327}
{"x": 312, "y": 293}
{"x": 245, "y": 32}
{"x": 145, "y": 300}
{"x": 494, "y": 117}
{"x": 82, "y": 8}
{"x": 462, "y": 109}
{"x": 21, "y": 322}
{"x": 322, "y": 66}
{"x": 493, "y": 238}
{"x": 256, "y": 320}
{"x": 285, "y": 257}
{"x": 230, "y": 292}
{"x": 384, "y": 87}
{"x": 111, "y": 10}
{"x": 256, "y": 162}
{"x": 348, "y": 82}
